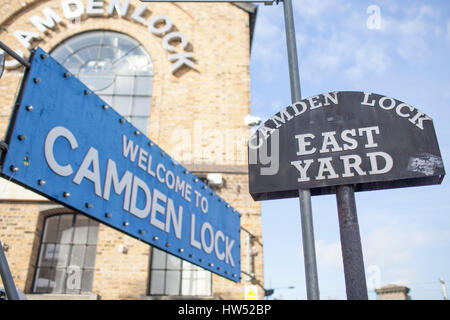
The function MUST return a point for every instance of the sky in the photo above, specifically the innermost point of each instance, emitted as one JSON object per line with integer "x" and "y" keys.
{"x": 399, "y": 49}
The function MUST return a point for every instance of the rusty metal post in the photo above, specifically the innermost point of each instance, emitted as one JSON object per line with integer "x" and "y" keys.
{"x": 355, "y": 277}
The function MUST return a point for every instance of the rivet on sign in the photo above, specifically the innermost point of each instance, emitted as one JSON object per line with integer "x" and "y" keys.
{"x": 201, "y": 260}
{"x": 22, "y": 137}
{"x": 37, "y": 80}
{"x": 195, "y": 180}
{"x": 14, "y": 168}
{"x": 105, "y": 106}
{"x": 136, "y": 132}
{"x": 125, "y": 224}
{"x": 211, "y": 264}
{"x": 181, "y": 250}
{"x": 185, "y": 171}
{"x": 41, "y": 182}
{"x": 219, "y": 268}
{"x": 234, "y": 275}
{"x": 122, "y": 120}
{"x": 141, "y": 231}
{"x": 87, "y": 92}
{"x": 88, "y": 205}
{"x": 162, "y": 154}
{"x": 108, "y": 215}
{"x": 228, "y": 205}
{"x": 155, "y": 238}
{"x": 29, "y": 108}
{"x": 168, "y": 244}
{"x": 204, "y": 187}
{"x": 67, "y": 75}
{"x": 44, "y": 56}
{"x": 150, "y": 144}
{"x": 226, "y": 272}
{"x": 66, "y": 194}
{"x": 191, "y": 255}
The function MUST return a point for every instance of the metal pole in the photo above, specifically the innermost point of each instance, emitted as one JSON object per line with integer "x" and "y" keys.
{"x": 13, "y": 54}
{"x": 309, "y": 250}
{"x": 355, "y": 277}
{"x": 8, "y": 282}
{"x": 444, "y": 290}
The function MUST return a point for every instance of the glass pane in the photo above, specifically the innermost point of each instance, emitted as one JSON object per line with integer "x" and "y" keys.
{"x": 139, "y": 122}
{"x": 143, "y": 86}
{"x": 77, "y": 255}
{"x": 124, "y": 85}
{"x": 157, "y": 282}
{"x": 203, "y": 287}
{"x": 122, "y": 104}
{"x": 89, "y": 259}
{"x": 86, "y": 282}
{"x": 51, "y": 229}
{"x": 65, "y": 228}
{"x": 141, "y": 106}
{"x": 81, "y": 229}
{"x": 62, "y": 255}
{"x": 188, "y": 266}
{"x": 60, "y": 277}
{"x": 158, "y": 259}
{"x": 93, "y": 232}
{"x": 188, "y": 284}
{"x": 73, "y": 279}
{"x": 47, "y": 255}
{"x": 42, "y": 280}
{"x": 173, "y": 263}
{"x": 173, "y": 282}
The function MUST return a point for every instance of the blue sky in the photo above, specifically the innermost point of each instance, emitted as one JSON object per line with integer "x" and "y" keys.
{"x": 405, "y": 232}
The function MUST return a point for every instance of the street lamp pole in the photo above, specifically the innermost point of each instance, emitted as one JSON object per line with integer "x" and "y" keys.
{"x": 309, "y": 251}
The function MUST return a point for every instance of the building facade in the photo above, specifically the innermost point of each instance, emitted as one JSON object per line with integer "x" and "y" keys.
{"x": 180, "y": 73}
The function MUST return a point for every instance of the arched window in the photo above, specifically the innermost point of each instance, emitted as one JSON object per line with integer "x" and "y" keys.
{"x": 66, "y": 256}
{"x": 116, "y": 67}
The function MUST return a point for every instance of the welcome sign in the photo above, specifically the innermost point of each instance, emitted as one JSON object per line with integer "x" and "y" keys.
{"x": 68, "y": 145}
{"x": 338, "y": 138}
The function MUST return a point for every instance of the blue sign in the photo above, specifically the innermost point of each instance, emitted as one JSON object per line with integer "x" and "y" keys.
{"x": 68, "y": 145}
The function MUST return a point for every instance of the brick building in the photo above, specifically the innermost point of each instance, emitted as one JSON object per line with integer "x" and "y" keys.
{"x": 180, "y": 73}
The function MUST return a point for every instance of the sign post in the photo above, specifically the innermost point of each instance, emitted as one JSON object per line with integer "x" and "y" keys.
{"x": 339, "y": 143}
{"x": 355, "y": 278}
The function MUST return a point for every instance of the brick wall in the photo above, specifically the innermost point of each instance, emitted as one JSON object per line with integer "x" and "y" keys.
{"x": 197, "y": 116}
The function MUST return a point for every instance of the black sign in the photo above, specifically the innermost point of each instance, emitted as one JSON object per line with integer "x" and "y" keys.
{"x": 364, "y": 139}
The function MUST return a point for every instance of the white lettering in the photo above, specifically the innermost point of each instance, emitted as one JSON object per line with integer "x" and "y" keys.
{"x": 53, "y": 134}
{"x": 50, "y": 17}
{"x": 90, "y": 159}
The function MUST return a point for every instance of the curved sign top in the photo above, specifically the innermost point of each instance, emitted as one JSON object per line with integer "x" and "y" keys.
{"x": 338, "y": 138}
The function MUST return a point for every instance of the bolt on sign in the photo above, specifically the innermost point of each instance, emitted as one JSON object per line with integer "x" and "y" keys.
{"x": 68, "y": 145}
{"x": 359, "y": 138}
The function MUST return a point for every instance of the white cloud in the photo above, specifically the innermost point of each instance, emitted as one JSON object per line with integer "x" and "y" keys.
{"x": 329, "y": 255}
{"x": 394, "y": 244}
{"x": 368, "y": 61}
{"x": 314, "y": 8}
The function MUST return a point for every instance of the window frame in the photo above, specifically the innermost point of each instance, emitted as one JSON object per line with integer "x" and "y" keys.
{"x": 180, "y": 284}
{"x": 41, "y": 245}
